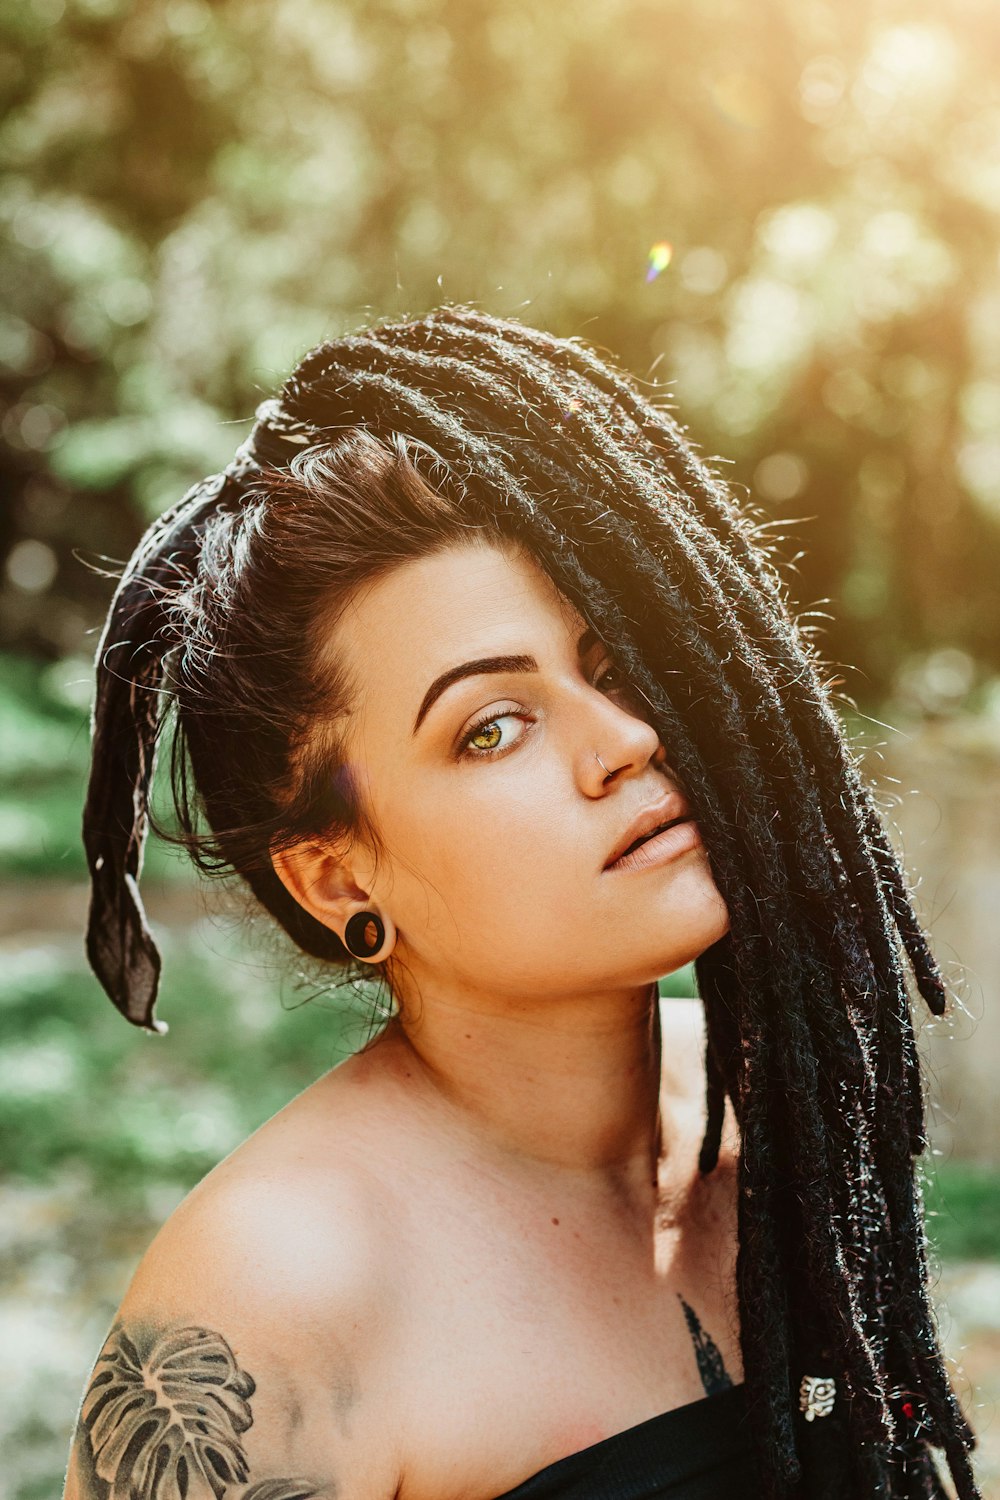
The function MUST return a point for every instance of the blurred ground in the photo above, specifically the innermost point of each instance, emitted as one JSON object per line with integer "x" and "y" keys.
{"x": 968, "y": 1301}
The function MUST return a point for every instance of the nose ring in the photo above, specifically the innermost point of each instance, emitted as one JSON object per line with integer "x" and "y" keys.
{"x": 602, "y": 765}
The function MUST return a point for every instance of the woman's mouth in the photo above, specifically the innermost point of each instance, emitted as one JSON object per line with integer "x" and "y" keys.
{"x": 663, "y": 844}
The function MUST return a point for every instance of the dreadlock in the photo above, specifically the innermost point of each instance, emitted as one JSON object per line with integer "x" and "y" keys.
{"x": 806, "y": 1000}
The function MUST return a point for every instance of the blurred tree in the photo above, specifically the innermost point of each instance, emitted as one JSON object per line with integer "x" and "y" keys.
{"x": 197, "y": 192}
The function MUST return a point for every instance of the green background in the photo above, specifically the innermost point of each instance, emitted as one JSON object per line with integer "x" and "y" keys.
{"x": 193, "y": 195}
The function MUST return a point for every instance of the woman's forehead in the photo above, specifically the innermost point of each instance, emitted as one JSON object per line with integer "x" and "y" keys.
{"x": 459, "y": 599}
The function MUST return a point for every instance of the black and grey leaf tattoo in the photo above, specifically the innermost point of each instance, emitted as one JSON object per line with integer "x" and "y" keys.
{"x": 280, "y": 1489}
{"x": 714, "y": 1375}
{"x": 166, "y": 1424}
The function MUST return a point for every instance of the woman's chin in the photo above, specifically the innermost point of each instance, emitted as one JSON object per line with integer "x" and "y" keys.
{"x": 703, "y": 930}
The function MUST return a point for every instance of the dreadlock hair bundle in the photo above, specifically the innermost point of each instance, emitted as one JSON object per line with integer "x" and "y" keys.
{"x": 459, "y": 423}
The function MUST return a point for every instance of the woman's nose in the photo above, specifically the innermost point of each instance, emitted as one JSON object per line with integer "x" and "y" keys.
{"x": 624, "y": 744}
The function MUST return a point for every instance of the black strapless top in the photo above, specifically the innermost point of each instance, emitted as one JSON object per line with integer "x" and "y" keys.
{"x": 700, "y": 1451}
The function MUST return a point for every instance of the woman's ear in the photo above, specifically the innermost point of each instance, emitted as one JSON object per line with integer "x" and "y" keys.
{"x": 320, "y": 881}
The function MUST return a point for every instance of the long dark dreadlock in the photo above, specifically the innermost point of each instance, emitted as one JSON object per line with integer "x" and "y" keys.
{"x": 806, "y": 1002}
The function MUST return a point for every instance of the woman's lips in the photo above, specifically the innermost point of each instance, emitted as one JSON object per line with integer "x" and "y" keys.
{"x": 662, "y": 847}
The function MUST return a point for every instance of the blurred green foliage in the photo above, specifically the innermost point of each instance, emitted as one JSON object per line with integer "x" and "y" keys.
{"x": 44, "y": 759}
{"x": 44, "y": 749}
{"x": 962, "y": 1202}
{"x": 197, "y": 192}
{"x": 194, "y": 193}
{"x": 81, "y": 1089}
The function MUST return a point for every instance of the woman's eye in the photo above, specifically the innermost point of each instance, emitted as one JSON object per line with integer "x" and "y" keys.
{"x": 487, "y": 737}
{"x": 615, "y": 680}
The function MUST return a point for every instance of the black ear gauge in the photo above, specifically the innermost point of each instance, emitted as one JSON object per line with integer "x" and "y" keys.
{"x": 364, "y": 934}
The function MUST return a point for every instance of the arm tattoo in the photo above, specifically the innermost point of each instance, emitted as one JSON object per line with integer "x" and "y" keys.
{"x": 714, "y": 1376}
{"x": 163, "y": 1418}
{"x": 280, "y": 1489}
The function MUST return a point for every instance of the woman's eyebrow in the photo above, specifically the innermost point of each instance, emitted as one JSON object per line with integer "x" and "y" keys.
{"x": 485, "y": 664}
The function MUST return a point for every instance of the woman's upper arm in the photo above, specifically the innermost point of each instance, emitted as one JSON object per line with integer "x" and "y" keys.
{"x": 171, "y": 1410}
{"x": 237, "y": 1370}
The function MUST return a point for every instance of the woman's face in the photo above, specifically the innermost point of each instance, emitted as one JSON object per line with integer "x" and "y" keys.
{"x": 496, "y": 816}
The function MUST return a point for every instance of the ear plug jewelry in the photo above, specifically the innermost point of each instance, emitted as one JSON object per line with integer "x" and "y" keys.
{"x": 364, "y": 934}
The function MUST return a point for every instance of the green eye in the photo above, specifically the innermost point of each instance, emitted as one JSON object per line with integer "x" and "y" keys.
{"x": 489, "y": 732}
{"x": 493, "y": 728}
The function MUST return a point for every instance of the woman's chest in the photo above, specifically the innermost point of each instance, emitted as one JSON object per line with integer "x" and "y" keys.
{"x": 522, "y": 1346}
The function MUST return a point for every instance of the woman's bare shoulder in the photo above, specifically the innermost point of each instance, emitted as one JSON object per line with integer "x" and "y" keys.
{"x": 250, "y": 1343}
{"x": 295, "y": 1198}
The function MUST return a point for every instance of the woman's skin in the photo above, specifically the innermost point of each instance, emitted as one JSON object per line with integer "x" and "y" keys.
{"x": 483, "y": 1243}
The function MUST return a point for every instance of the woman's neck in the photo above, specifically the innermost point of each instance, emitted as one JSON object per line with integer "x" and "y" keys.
{"x": 568, "y": 1090}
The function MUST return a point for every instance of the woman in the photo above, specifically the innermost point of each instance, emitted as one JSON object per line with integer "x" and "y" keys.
{"x": 485, "y": 687}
